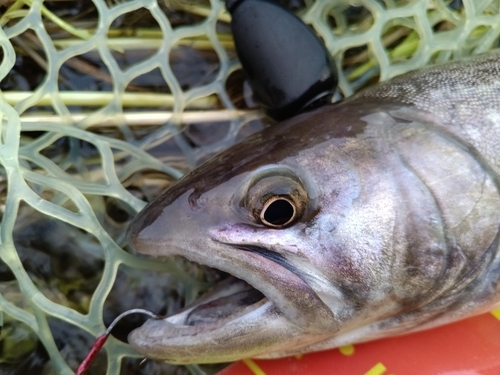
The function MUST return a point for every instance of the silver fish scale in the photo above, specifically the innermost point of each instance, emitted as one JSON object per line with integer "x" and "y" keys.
{"x": 465, "y": 98}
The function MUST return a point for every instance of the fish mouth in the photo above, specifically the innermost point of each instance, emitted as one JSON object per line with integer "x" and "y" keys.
{"x": 269, "y": 299}
{"x": 232, "y": 297}
{"x": 228, "y": 300}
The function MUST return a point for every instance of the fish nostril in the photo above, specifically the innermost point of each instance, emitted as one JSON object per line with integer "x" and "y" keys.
{"x": 197, "y": 201}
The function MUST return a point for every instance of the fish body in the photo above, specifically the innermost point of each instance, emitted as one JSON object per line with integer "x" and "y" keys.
{"x": 373, "y": 217}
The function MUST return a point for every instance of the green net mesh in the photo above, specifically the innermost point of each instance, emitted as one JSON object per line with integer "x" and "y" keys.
{"x": 104, "y": 104}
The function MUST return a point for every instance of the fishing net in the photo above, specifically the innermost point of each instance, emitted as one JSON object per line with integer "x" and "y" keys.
{"x": 103, "y": 104}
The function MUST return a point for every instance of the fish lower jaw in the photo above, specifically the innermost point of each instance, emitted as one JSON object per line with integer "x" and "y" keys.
{"x": 230, "y": 322}
{"x": 228, "y": 339}
{"x": 216, "y": 316}
{"x": 228, "y": 300}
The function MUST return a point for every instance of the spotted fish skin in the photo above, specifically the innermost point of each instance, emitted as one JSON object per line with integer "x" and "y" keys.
{"x": 394, "y": 228}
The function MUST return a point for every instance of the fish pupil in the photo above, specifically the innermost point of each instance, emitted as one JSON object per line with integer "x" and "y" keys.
{"x": 278, "y": 212}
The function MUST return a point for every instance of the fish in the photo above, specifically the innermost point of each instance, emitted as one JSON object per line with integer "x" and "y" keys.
{"x": 373, "y": 217}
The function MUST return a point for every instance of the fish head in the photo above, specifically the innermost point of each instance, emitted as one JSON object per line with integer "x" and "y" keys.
{"x": 303, "y": 215}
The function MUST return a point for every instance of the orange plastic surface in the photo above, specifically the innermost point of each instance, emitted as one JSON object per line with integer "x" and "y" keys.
{"x": 468, "y": 347}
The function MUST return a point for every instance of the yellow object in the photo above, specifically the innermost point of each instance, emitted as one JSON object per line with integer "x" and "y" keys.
{"x": 496, "y": 313}
{"x": 347, "y": 350}
{"x": 253, "y": 367}
{"x": 378, "y": 369}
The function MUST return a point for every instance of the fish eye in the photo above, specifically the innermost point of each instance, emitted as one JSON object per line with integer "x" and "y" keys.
{"x": 278, "y": 212}
{"x": 275, "y": 198}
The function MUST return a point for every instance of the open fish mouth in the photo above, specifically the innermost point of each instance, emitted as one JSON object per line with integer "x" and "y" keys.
{"x": 230, "y": 298}
{"x": 233, "y": 298}
{"x": 238, "y": 318}
{"x": 226, "y": 301}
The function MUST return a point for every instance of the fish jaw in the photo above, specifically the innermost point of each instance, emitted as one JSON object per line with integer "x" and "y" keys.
{"x": 176, "y": 343}
{"x": 249, "y": 335}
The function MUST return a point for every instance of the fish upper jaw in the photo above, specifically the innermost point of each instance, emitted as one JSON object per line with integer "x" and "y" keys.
{"x": 280, "y": 282}
{"x": 293, "y": 297}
